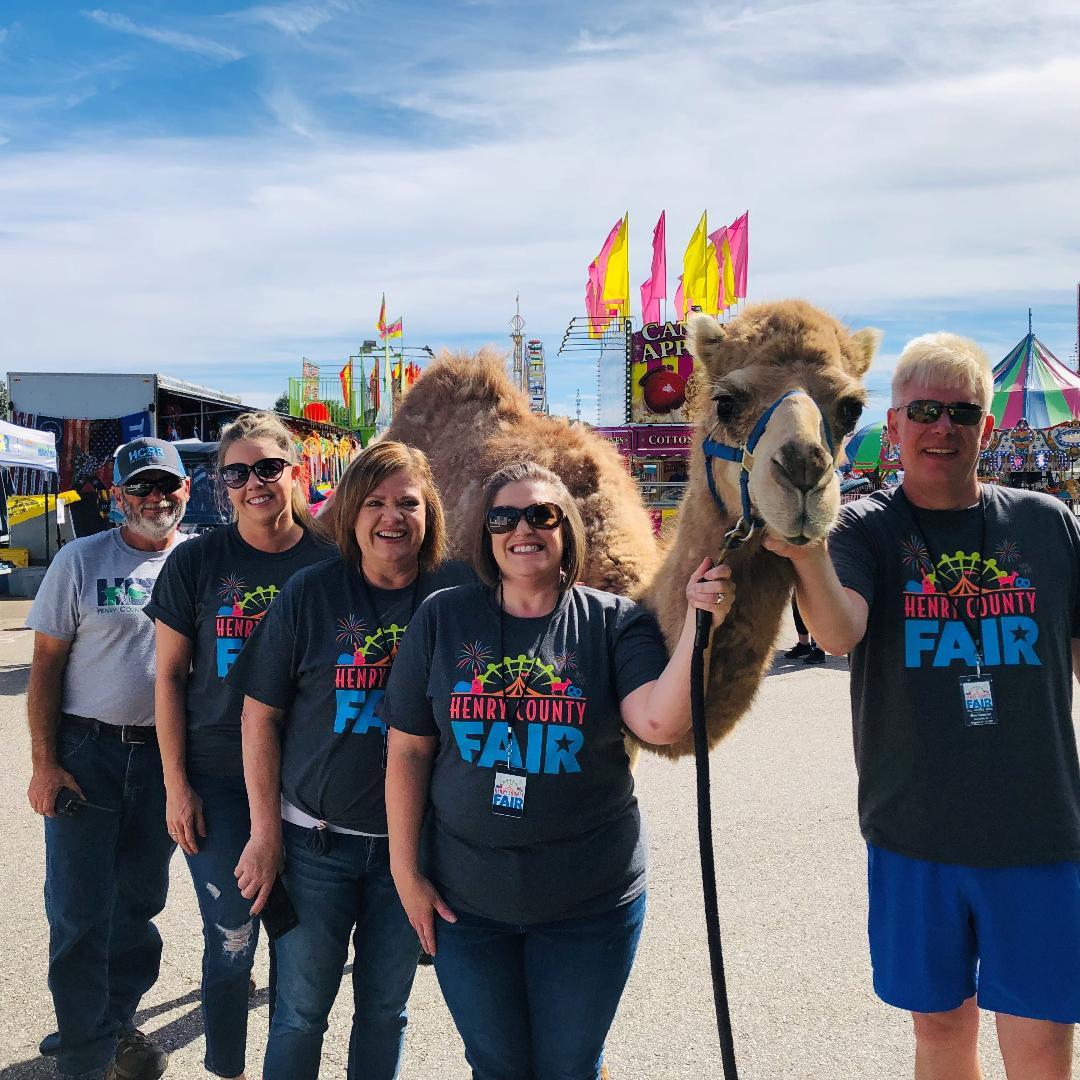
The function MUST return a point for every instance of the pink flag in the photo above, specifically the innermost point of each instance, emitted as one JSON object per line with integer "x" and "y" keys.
{"x": 680, "y": 302}
{"x": 655, "y": 289}
{"x": 739, "y": 241}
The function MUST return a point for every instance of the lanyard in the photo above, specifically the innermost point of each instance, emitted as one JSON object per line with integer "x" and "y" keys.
{"x": 974, "y": 626}
{"x": 536, "y": 651}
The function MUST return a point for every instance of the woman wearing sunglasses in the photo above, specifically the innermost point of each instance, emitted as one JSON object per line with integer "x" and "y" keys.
{"x": 206, "y": 604}
{"x": 507, "y": 707}
{"x": 315, "y": 750}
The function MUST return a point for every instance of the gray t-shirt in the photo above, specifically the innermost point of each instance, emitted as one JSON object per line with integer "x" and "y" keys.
{"x": 215, "y": 593}
{"x": 323, "y": 655}
{"x": 93, "y": 595}
{"x": 1004, "y": 575}
{"x": 463, "y": 672}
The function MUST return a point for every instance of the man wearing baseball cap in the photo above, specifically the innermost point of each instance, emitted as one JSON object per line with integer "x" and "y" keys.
{"x": 97, "y": 775}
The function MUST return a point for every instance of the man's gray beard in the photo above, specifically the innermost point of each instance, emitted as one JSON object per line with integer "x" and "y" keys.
{"x": 156, "y": 528}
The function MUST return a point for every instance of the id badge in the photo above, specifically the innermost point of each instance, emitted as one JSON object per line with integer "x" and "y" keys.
{"x": 508, "y": 798}
{"x": 978, "y": 697}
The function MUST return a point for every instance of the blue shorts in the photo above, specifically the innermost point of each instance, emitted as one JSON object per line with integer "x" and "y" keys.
{"x": 941, "y": 933}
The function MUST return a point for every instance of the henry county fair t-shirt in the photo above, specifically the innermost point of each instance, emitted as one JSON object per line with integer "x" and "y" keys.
{"x": 323, "y": 655}
{"x": 215, "y": 594}
{"x": 578, "y": 848}
{"x": 93, "y": 595}
{"x": 931, "y": 785}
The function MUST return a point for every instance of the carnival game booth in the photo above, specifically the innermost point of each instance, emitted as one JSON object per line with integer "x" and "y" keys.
{"x": 1036, "y": 407}
{"x": 657, "y": 437}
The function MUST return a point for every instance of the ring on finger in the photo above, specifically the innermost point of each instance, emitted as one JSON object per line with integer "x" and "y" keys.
{"x": 718, "y": 598}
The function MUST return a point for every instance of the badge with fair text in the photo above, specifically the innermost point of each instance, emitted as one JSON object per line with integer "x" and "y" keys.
{"x": 978, "y": 694}
{"x": 508, "y": 798}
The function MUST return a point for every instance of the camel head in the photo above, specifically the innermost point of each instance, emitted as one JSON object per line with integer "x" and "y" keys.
{"x": 805, "y": 367}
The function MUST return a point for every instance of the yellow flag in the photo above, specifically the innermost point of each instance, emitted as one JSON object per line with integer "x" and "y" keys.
{"x": 696, "y": 268}
{"x": 729, "y": 273}
{"x": 615, "y": 291}
{"x": 709, "y": 303}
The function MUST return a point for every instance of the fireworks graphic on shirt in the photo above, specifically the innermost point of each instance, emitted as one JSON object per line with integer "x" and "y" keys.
{"x": 1007, "y": 552}
{"x": 566, "y": 662}
{"x": 475, "y": 655}
{"x": 351, "y": 631}
{"x": 915, "y": 555}
{"x": 231, "y": 589}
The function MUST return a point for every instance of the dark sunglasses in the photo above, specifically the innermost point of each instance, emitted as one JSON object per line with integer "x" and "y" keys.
{"x": 139, "y": 489}
{"x": 504, "y": 519}
{"x": 965, "y": 413}
{"x": 267, "y": 470}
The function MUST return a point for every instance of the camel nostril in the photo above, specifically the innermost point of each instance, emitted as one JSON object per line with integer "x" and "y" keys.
{"x": 802, "y": 465}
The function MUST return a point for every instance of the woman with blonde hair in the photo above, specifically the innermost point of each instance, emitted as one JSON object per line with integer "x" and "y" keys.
{"x": 314, "y": 758}
{"x": 507, "y": 706}
{"x": 206, "y": 603}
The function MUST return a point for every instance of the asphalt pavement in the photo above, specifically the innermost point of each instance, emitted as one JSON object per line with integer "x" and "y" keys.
{"x": 791, "y": 867}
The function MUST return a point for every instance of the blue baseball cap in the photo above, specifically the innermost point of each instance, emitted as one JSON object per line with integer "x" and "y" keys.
{"x": 146, "y": 455}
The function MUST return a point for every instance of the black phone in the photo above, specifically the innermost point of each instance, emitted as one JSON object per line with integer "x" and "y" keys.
{"x": 278, "y": 914}
{"x": 67, "y": 803}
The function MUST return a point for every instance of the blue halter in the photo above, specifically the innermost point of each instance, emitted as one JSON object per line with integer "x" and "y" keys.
{"x": 745, "y": 456}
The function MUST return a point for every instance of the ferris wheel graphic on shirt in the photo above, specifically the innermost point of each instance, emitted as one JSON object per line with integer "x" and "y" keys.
{"x": 361, "y": 672}
{"x": 950, "y": 601}
{"x": 241, "y": 609}
{"x": 544, "y": 701}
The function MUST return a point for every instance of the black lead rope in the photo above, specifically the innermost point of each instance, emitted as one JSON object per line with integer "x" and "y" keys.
{"x": 703, "y": 627}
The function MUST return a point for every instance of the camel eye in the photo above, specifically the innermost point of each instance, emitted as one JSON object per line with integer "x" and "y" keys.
{"x": 726, "y": 408}
{"x": 847, "y": 415}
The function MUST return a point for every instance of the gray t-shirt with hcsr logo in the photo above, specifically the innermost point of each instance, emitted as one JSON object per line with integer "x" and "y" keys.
{"x": 93, "y": 595}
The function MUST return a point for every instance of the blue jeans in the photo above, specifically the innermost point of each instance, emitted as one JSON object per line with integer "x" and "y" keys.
{"x": 536, "y": 1002}
{"x": 106, "y": 877}
{"x": 230, "y": 934}
{"x": 347, "y": 891}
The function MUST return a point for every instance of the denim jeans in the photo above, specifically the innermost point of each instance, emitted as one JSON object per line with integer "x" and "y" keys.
{"x": 347, "y": 891}
{"x": 230, "y": 934}
{"x": 536, "y": 1002}
{"x": 106, "y": 877}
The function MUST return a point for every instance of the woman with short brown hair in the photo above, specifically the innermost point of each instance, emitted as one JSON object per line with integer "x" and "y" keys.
{"x": 314, "y": 759}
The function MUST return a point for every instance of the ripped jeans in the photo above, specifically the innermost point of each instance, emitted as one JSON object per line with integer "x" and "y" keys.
{"x": 229, "y": 932}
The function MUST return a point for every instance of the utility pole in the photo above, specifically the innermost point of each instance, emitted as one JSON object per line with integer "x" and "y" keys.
{"x": 578, "y": 404}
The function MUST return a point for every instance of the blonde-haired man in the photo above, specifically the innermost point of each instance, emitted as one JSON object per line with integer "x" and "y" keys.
{"x": 960, "y": 605}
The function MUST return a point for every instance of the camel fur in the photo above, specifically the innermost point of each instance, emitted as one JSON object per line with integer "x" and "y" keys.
{"x": 470, "y": 420}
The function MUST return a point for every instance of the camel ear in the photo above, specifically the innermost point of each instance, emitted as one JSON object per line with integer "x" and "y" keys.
{"x": 866, "y": 342}
{"x": 704, "y": 338}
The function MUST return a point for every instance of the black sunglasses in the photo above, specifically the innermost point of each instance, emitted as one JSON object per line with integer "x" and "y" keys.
{"x": 139, "y": 489}
{"x": 267, "y": 470}
{"x": 965, "y": 413}
{"x": 504, "y": 519}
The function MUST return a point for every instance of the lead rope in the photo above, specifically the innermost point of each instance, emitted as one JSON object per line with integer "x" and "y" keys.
{"x": 733, "y": 540}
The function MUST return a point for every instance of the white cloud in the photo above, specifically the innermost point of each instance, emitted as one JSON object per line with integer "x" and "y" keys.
{"x": 886, "y": 178}
{"x": 211, "y": 50}
{"x": 298, "y": 18}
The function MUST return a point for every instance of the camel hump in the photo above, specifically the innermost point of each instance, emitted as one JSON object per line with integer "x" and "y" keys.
{"x": 479, "y": 379}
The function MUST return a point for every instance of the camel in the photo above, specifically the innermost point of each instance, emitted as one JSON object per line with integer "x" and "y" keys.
{"x": 470, "y": 420}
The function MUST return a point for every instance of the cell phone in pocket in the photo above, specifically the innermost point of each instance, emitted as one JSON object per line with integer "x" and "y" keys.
{"x": 278, "y": 914}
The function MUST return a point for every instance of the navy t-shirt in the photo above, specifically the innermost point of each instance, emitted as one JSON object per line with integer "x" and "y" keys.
{"x": 558, "y": 680}
{"x": 216, "y": 594}
{"x": 1003, "y": 575}
{"x": 323, "y": 655}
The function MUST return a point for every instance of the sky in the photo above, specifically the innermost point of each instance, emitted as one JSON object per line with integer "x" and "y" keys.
{"x": 212, "y": 191}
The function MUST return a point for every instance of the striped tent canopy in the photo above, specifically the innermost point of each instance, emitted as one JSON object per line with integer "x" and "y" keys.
{"x": 869, "y": 448}
{"x": 1031, "y": 383}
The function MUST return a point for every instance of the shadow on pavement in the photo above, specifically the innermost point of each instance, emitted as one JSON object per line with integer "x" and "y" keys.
{"x": 781, "y": 665}
{"x": 13, "y": 679}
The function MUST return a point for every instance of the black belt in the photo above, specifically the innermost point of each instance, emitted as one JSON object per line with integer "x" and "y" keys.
{"x": 126, "y": 733}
